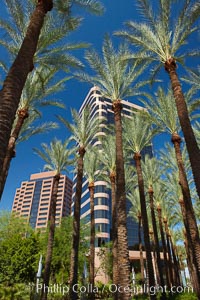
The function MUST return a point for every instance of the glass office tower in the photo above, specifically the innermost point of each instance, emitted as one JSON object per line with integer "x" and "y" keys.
{"x": 102, "y": 108}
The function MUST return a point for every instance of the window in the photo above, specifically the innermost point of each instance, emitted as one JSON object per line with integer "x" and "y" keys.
{"x": 43, "y": 208}
{"x": 101, "y": 214}
{"x": 42, "y": 224}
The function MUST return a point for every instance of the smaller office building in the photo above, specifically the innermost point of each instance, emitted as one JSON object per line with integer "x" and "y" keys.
{"x": 32, "y": 199}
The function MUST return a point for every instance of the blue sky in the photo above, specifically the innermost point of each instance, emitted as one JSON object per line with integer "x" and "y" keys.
{"x": 92, "y": 30}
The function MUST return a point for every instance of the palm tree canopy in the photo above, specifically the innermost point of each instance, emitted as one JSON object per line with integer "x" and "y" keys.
{"x": 161, "y": 111}
{"x": 138, "y": 132}
{"x": 114, "y": 75}
{"x": 83, "y": 128}
{"x": 165, "y": 30}
{"x": 56, "y": 155}
{"x": 91, "y": 165}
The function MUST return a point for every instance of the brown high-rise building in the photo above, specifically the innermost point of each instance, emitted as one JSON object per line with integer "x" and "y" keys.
{"x": 32, "y": 199}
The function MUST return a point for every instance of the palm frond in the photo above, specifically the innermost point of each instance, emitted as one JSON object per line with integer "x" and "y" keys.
{"x": 93, "y": 6}
{"x": 30, "y": 130}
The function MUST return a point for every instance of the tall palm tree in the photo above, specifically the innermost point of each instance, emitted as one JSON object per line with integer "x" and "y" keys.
{"x": 116, "y": 80}
{"x": 83, "y": 130}
{"x": 108, "y": 159}
{"x": 160, "y": 39}
{"x": 152, "y": 172}
{"x": 138, "y": 133}
{"x": 37, "y": 88}
{"x": 56, "y": 155}
{"x": 24, "y": 61}
{"x": 91, "y": 172}
{"x": 162, "y": 113}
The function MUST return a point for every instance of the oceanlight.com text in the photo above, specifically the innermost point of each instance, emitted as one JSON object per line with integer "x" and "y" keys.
{"x": 112, "y": 288}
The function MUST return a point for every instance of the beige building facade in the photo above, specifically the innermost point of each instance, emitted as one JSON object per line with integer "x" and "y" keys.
{"x": 32, "y": 199}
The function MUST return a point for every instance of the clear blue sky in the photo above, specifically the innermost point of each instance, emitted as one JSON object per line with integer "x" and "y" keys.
{"x": 92, "y": 30}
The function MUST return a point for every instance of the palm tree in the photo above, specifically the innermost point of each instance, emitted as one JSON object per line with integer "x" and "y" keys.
{"x": 115, "y": 81}
{"x": 38, "y": 87}
{"x": 24, "y": 61}
{"x": 162, "y": 113}
{"x": 108, "y": 159}
{"x": 152, "y": 172}
{"x": 83, "y": 130}
{"x": 138, "y": 134}
{"x": 91, "y": 172}
{"x": 56, "y": 157}
{"x": 160, "y": 40}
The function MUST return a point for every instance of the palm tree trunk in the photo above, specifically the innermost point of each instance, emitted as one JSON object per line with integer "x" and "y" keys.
{"x": 140, "y": 248}
{"x": 10, "y": 153}
{"x": 123, "y": 253}
{"x": 92, "y": 240}
{"x": 164, "y": 246}
{"x": 150, "y": 272}
{"x": 52, "y": 218}
{"x": 114, "y": 232}
{"x": 189, "y": 218}
{"x": 16, "y": 78}
{"x": 76, "y": 227}
{"x": 156, "y": 240}
{"x": 191, "y": 143}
